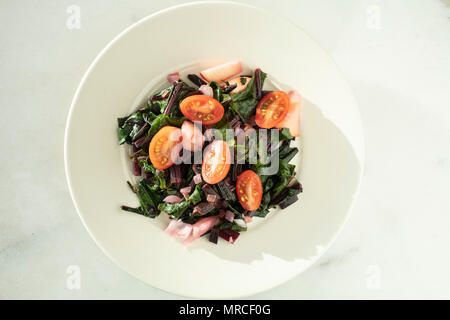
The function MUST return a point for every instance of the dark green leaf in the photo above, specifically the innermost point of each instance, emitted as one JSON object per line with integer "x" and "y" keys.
{"x": 285, "y": 172}
{"x": 175, "y": 210}
{"x": 237, "y": 227}
{"x": 225, "y": 192}
{"x": 232, "y": 208}
{"x": 285, "y": 134}
{"x": 196, "y": 195}
{"x": 263, "y": 207}
{"x": 244, "y": 103}
{"x": 157, "y": 103}
{"x": 148, "y": 198}
{"x": 231, "y": 225}
{"x": 290, "y": 194}
{"x": 217, "y": 91}
{"x": 129, "y": 126}
{"x": 290, "y": 155}
{"x": 268, "y": 184}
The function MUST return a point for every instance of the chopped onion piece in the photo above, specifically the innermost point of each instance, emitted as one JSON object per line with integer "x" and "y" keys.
{"x": 200, "y": 228}
{"x": 211, "y": 198}
{"x": 173, "y": 77}
{"x": 206, "y": 90}
{"x": 179, "y": 229}
{"x": 229, "y": 215}
{"x": 172, "y": 199}
{"x": 185, "y": 192}
{"x": 198, "y": 178}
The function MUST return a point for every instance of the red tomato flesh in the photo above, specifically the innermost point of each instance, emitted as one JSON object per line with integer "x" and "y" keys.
{"x": 216, "y": 162}
{"x": 165, "y": 147}
{"x": 249, "y": 190}
{"x": 272, "y": 109}
{"x": 202, "y": 108}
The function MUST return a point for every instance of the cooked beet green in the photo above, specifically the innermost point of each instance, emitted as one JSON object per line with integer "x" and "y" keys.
{"x": 196, "y": 79}
{"x": 180, "y": 190}
{"x": 244, "y": 103}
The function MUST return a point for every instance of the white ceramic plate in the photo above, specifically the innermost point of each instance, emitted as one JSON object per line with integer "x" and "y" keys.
{"x": 188, "y": 37}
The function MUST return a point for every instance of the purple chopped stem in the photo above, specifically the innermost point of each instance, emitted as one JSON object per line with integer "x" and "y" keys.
{"x": 258, "y": 84}
{"x": 175, "y": 174}
{"x": 251, "y": 122}
{"x": 203, "y": 208}
{"x": 138, "y": 143}
{"x": 136, "y": 169}
{"x": 161, "y": 97}
{"x": 140, "y": 132}
{"x": 207, "y": 189}
{"x": 226, "y": 103}
{"x": 173, "y": 97}
{"x": 248, "y": 213}
{"x": 219, "y": 203}
{"x": 279, "y": 197}
{"x": 194, "y": 93}
{"x": 230, "y": 184}
{"x": 234, "y": 120}
{"x": 287, "y": 203}
{"x": 230, "y": 88}
{"x": 214, "y": 236}
{"x": 196, "y": 79}
{"x": 229, "y": 235}
{"x": 225, "y": 190}
{"x": 237, "y": 170}
{"x": 265, "y": 92}
{"x": 195, "y": 169}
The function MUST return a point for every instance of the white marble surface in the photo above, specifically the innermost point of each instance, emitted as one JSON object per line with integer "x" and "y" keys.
{"x": 395, "y": 245}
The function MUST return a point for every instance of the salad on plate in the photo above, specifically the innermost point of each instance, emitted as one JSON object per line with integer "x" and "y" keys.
{"x": 213, "y": 152}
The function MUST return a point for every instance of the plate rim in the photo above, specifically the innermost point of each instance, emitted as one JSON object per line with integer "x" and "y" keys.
{"x": 361, "y": 155}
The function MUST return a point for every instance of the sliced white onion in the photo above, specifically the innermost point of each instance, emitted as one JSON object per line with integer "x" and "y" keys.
{"x": 173, "y": 77}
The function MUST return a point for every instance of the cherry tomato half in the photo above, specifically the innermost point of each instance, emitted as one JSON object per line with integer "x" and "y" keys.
{"x": 216, "y": 162}
{"x": 249, "y": 190}
{"x": 272, "y": 109}
{"x": 165, "y": 147}
{"x": 202, "y": 108}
